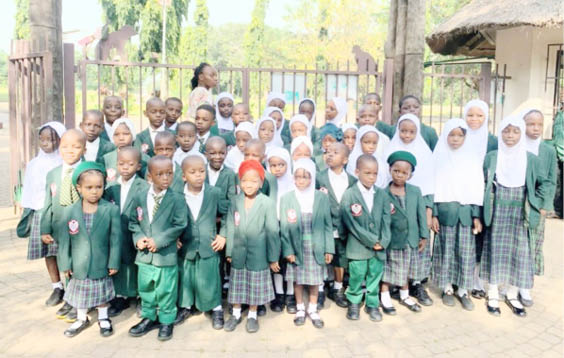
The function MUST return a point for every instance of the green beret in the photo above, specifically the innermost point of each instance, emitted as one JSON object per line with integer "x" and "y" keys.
{"x": 404, "y": 156}
{"x": 332, "y": 130}
{"x": 86, "y": 166}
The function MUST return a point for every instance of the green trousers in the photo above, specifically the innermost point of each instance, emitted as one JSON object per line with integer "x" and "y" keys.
{"x": 125, "y": 280}
{"x": 365, "y": 270}
{"x": 158, "y": 287}
{"x": 200, "y": 283}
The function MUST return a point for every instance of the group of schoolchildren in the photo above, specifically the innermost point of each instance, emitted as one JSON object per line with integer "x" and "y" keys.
{"x": 280, "y": 212}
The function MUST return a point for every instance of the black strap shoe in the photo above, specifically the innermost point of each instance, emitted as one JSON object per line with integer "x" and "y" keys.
{"x": 182, "y": 315}
{"x": 373, "y": 313}
{"x": 106, "y": 332}
{"x": 353, "y": 312}
{"x": 142, "y": 328}
{"x": 291, "y": 306}
{"x": 261, "y": 310}
{"x": 165, "y": 332}
{"x": 63, "y": 311}
{"x": 71, "y": 332}
{"x": 217, "y": 319}
{"x": 300, "y": 318}
{"x": 519, "y": 312}
{"x": 231, "y": 323}
{"x": 252, "y": 325}
{"x": 412, "y": 307}
{"x": 56, "y": 297}
{"x": 478, "y": 294}
{"x": 494, "y": 311}
{"x": 390, "y": 311}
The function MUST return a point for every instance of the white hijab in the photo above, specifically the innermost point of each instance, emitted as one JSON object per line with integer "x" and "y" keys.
{"x": 275, "y": 95}
{"x": 129, "y": 125}
{"x": 383, "y": 171}
{"x": 235, "y": 157}
{"x": 276, "y": 140}
{"x": 286, "y": 182}
{"x": 306, "y": 197}
{"x": 511, "y": 167}
{"x": 477, "y": 140}
{"x": 302, "y": 119}
{"x": 459, "y": 176}
{"x": 267, "y": 112}
{"x": 423, "y": 176}
{"x": 296, "y": 142}
{"x": 532, "y": 144}
{"x": 312, "y": 121}
{"x": 342, "y": 108}
{"x": 222, "y": 122}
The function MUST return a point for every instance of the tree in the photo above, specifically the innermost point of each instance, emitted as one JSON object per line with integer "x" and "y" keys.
{"x": 21, "y": 30}
{"x": 254, "y": 36}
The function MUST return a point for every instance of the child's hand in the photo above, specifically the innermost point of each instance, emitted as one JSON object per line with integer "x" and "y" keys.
{"x": 151, "y": 245}
{"x": 429, "y": 213}
{"x": 435, "y": 225}
{"x": 542, "y": 212}
{"x": 328, "y": 258}
{"x": 218, "y": 244}
{"x": 68, "y": 273}
{"x": 142, "y": 244}
{"x": 112, "y": 272}
{"x": 274, "y": 266}
{"x": 178, "y": 244}
{"x": 477, "y": 226}
{"x": 47, "y": 239}
{"x": 228, "y": 259}
{"x": 421, "y": 245}
{"x": 377, "y": 247}
{"x": 291, "y": 259}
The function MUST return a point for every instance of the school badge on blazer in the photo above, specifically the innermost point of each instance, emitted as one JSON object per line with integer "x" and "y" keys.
{"x": 139, "y": 213}
{"x": 53, "y": 190}
{"x": 356, "y": 210}
{"x": 324, "y": 190}
{"x": 291, "y": 216}
{"x": 144, "y": 147}
{"x": 236, "y": 218}
{"x": 73, "y": 227}
{"x": 111, "y": 174}
{"x": 392, "y": 208}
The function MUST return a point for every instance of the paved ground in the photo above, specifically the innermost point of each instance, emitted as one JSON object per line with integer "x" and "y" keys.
{"x": 28, "y": 328}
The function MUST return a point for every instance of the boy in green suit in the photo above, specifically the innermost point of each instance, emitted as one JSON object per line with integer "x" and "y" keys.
{"x": 368, "y": 115}
{"x": 155, "y": 111}
{"x": 334, "y": 181}
{"x": 59, "y": 194}
{"x": 217, "y": 174}
{"x": 205, "y": 125}
{"x": 113, "y": 110}
{"x": 96, "y": 146}
{"x": 158, "y": 218}
{"x": 165, "y": 145}
{"x": 365, "y": 210}
{"x": 173, "y": 113}
{"x": 200, "y": 279}
{"x": 121, "y": 193}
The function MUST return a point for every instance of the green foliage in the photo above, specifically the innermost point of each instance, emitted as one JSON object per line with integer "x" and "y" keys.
{"x": 253, "y": 42}
{"x": 21, "y": 30}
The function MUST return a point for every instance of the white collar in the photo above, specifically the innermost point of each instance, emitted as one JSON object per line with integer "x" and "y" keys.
{"x": 204, "y": 137}
{"x": 122, "y": 183}
{"x": 363, "y": 189}
{"x": 95, "y": 142}
{"x": 343, "y": 174}
{"x": 152, "y": 192}
{"x": 190, "y": 194}
{"x": 162, "y": 128}
{"x": 212, "y": 170}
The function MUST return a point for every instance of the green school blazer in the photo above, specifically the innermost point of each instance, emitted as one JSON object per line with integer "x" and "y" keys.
{"x": 451, "y": 213}
{"x": 144, "y": 143}
{"x": 253, "y": 239}
{"x": 168, "y": 224}
{"x": 104, "y": 135}
{"x": 548, "y": 163}
{"x": 109, "y": 160}
{"x": 366, "y": 228}
{"x": 227, "y": 185}
{"x": 104, "y": 148}
{"x": 229, "y": 138}
{"x": 91, "y": 255}
{"x": 320, "y": 164}
{"x": 537, "y": 189}
{"x": 408, "y": 225}
{"x": 291, "y": 227}
{"x": 492, "y": 143}
{"x": 177, "y": 184}
{"x": 286, "y": 135}
{"x": 214, "y": 132}
{"x": 324, "y": 185}
{"x": 52, "y": 218}
{"x": 113, "y": 195}
{"x": 200, "y": 232}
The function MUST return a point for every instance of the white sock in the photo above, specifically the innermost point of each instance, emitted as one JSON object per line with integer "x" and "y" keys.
{"x": 321, "y": 286}
{"x": 252, "y": 314}
{"x": 226, "y": 285}
{"x": 217, "y": 308}
{"x": 103, "y": 316}
{"x": 58, "y": 285}
{"x": 237, "y": 312}
{"x": 386, "y": 299}
{"x": 312, "y": 307}
{"x": 337, "y": 285}
{"x": 81, "y": 314}
{"x": 404, "y": 295}
{"x": 289, "y": 288}
{"x": 511, "y": 295}
{"x": 461, "y": 292}
{"x": 278, "y": 284}
{"x": 478, "y": 283}
{"x": 448, "y": 288}
{"x": 493, "y": 296}
{"x": 416, "y": 283}
{"x": 301, "y": 310}
{"x": 525, "y": 293}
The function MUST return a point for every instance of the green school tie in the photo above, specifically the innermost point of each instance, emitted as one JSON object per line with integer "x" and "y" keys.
{"x": 69, "y": 195}
{"x": 158, "y": 199}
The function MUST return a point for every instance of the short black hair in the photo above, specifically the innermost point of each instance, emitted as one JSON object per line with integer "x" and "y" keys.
{"x": 191, "y": 158}
{"x": 171, "y": 99}
{"x": 94, "y": 112}
{"x": 132, "y": 150}
{"x": 372, "y": 94}
{"x": 365, "y": 158}
{"x": 165, "y": 135}
{"x": 216, "y": 139}
{"x": 185, "y": 124}
{"x": 157, "y": 159}
{"x": 88, "y": 172}
{"x": 207, "y": 107}
{"x": 409, "y": 96}
{"x": 154, "y": 100}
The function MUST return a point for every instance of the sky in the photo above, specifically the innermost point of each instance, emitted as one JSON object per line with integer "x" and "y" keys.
{"x": 82, "y": 17}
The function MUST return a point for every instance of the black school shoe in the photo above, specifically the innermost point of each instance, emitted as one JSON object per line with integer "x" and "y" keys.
{"x": 71, "y": 316}
{"x": 71, "y": 332}
{"x": 320, "y": 300}
{"x": 353, "y": 312}
{"x": 252, "y": 325}
{"x": 182, "y": 315}
{"x": 261, "y": 310}
{"x": 142, "y": 328}
{"x": 217, "y": 319}
{"x": 232, "y": 323}
{"x": 165, "y": 332}
{"x": 300, "y": 320}
{"x": 277, "y": 305}
{"x": 418, "y": 291}
{"x": 56, "y": 297}
{"x": 63, "y": 311}
{"x": 106, "y": 332}
{"x": 494, "y": 311}
{"x": 413, "y": 308}
{"x": 519, "y": 312}
{"x": 341, "y": 298}
{"x": 373, "y": 313}
{"x": 390, "y": 311}
{"x": 291, "y": 305}
{"x": 478, "y": 294}
{"x": 117, "y": 306}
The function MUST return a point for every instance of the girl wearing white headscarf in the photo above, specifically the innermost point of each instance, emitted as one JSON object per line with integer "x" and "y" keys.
{"x": 514, "y": 200}
{"x": 312, "y": 117}
{"x": 307, "y": 238}
{"x": 276, "y": 140}
{"x": 478, "y": 138}
{"x": 224, "y": 124}
{"x": 459, "y": 194}
{"x": 283, "y": 129}
{"x": 382, "y": 179}
{"x": 349, "y": 127}
{"x": 279, "y": 97}
{"x": 236, "y": 155}
{"x": 301, "y": 118}
{"x": 341, "y": 108}
{"x": 298, "y": 142}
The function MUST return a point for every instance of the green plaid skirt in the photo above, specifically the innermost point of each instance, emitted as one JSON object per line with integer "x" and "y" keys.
{"x": 536, "y": 237}
{"x": 250, "y": 287}
{"x": 420, "y": 265}
{"x": 506, "y": 254}
{"x": 398, "y": 265}
{"x": 89, "y": 293}
{"x": 309, "y": 272}
{"x": 36, "y": 249}
{"x": 454, "y": 257}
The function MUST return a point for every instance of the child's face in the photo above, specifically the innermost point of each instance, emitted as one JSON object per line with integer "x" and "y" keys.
{"x": 302, "y": 151}
{"x": 298, "y": 129}
{"x": 511, "y": 135}
{"x": 204, "y": 120}
{"x": 46, "y": 142}
{"x": 306, "y": 109}
{"x": 369, "y": 143}
{"x": 253, "y": 152}
{"x": 336, "y": 157}
{"x": 165, "y": 147}
{"x": 122, "y": 136}
{"x": 277, "y": 103}
{"x": 127, "y": 165}
{"x": 374, "y": 103}
{"x": 195, "y": 174}
{"x": 241, "y": 139}
{"x": 278, "y": 166}
{"x": 216, "y": 152}
{"x": 277, "y": 118}
{"x": 367, "y": 173}
{"x": 330, "y": 111}
{"x": 455, "y": 138}
{"x": 71, "y": 148}
{"x": 251, "y": 183}
{"x": 91, "y": 126}
{"x": 173, "y": 111}
{"x": 225, "y": 107}
{"x": 302, "y": 179}
{"x": 349, "y": 138}
{"x": 266, "y": 131}
{"x": 475, "y": 118}
{"x": 401, "y": 172}
{"x": 113, "y": 109}
{"x": 208, "y": 77}
{"x": 91, "y": 187}
{"x": 161, "y": 175}
{"x": 407, "y": 131}
{"x": 367, "y": 115}
{"x": 240, "y": 114}
{"x": 411, "y": 105}
{"x": 156, "y": 113}
{"x": 327, "y": 141}
{"x": 534, "y": 122}
{"x": 186, "y": 137}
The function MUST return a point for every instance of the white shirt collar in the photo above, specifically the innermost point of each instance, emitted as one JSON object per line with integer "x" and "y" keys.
{"x": 173, "y": 126}
{"x": 152, "y": 191}
{"x": 204, "y": 137}
{"x": 363, "y": 189}
{"x": 190, "y": 194}
{"x": 121, "y": 182}
{"x": 92, "y": 149}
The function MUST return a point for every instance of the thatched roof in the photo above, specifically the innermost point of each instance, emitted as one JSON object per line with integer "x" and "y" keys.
{"x": 471, "y": 31}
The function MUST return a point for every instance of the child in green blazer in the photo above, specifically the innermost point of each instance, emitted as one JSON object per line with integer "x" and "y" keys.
{"x": 158, "y": 218}
{"x": 165, "y": 145}
{"x": 329, "y": 135}
{"x": 365, "y": 210}
{"x": 515, "y": 199}
{"x": 307, "y": 239}
{"x": 90, "y": 249}
{"x": 217, "y": 174}
{"x": 206, "y": 126}
{"x": 408, "y": 229}
{"x": 96, "y": 147}
{"x": 155, "y": 111}
{"x": 174, "y": 107}
{"x": 121, "y": 193}
{"x": 60, "y": 193}
{"x": 253, "y": 246}
{"x": 113, "y": 109}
